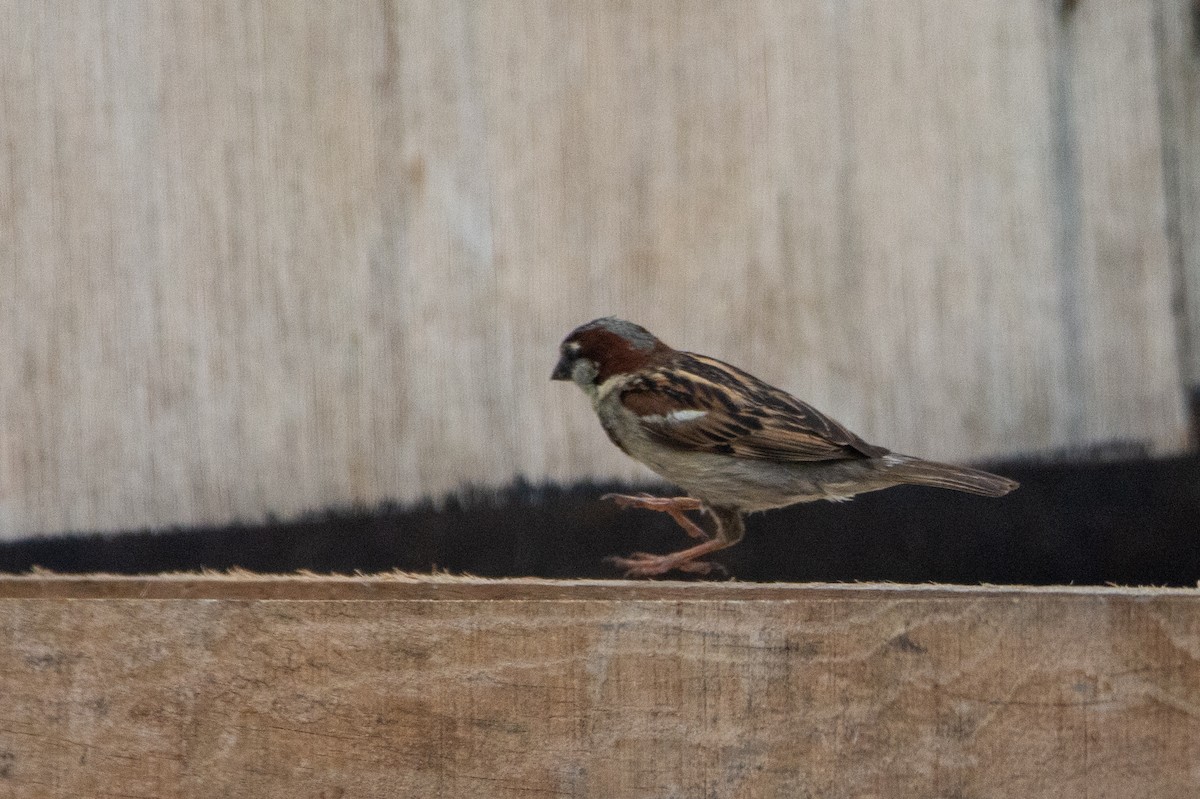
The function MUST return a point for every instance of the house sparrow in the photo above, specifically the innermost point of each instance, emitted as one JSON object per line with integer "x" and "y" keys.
{"x": 732, "y": 442}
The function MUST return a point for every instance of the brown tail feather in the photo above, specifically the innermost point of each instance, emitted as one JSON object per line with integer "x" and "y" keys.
{"x": 915, "y": 471}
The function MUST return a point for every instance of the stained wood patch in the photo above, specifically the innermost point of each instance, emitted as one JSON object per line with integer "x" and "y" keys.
{"x": 394, "y": 687}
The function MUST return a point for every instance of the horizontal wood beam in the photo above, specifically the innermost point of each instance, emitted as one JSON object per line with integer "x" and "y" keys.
{"x": 401, "y": 686}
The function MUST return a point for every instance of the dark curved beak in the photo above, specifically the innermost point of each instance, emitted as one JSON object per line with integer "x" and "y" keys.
{"x": 563, "y": 370}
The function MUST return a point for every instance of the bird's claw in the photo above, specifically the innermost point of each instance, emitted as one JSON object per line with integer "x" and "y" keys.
{"x": 674, "y": 506}
{"x": 643, "y": 564}
{"x": 626, "y": 500}
{"x": 651, "y": 502}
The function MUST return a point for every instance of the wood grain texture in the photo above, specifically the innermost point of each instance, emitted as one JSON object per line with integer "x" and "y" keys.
{"x": 261, "y": 256}
{"x": 627, "y": 690}
{"x": 1178, "y": 30}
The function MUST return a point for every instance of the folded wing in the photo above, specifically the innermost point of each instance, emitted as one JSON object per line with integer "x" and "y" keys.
{"x": 702, "y": 404}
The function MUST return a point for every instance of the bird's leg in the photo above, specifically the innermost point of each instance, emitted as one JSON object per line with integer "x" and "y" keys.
{"x": 675, "y": 506}
{"x": 730, "y": 529}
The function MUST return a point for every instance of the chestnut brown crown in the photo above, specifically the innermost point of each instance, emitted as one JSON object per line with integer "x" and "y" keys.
{"x": 612, "y": 346}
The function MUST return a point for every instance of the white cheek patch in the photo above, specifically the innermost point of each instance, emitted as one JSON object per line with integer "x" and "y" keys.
{"x": 675, "y": 417}
{"x": 583, "y": 373}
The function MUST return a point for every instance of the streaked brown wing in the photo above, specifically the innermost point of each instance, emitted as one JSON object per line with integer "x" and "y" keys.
{"x": 746, "y": 417}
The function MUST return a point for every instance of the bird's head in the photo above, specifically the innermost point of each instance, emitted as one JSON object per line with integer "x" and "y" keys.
{"x": 605, "y": 348}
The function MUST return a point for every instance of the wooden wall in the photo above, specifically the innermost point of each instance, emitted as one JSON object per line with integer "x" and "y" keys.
{"x": 376, "y": 688}
{"x": 265, "y": 256}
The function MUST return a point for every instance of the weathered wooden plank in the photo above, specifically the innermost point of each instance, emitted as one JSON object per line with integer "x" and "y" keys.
{"x": 265, "y": 256}
{"x": 1116, "y": 255}
{"x": 741, "y": 691}
{"x": 409, "y": 586}
{"x": 1178, "y": 30}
